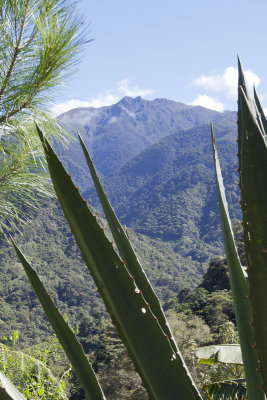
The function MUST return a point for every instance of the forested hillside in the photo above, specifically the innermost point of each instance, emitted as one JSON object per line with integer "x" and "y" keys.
{"x": 49, "y": 245}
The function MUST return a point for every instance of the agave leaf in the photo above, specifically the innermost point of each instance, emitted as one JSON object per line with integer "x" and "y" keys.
{"x": 124, "y": 246}
{"x": 227, "y": 390}
{"x": 225, "y": 353}
{"x": 240, "y": 292}
{"x": 256, "y": 109}
{"x": 253, "y": 184}
{"x": 154, "y": 353}
{"x": 7, "y": 390}
{"x": 65, "y": 335}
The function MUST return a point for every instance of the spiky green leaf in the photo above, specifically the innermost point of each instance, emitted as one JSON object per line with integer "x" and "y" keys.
{"x": 253, "y": 184}
{"x": 240, "y": 292}
{"x": 153, "y": 351}
{"x": 64, "y": 333}
{"x": 124, "y": 246}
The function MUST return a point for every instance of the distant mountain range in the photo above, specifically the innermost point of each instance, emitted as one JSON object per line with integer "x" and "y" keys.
{"x": 156, "y": 163}
{"x": 116, "y": 134}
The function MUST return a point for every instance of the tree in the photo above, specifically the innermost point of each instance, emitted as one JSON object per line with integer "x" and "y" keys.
{"x": 39, "y": 42}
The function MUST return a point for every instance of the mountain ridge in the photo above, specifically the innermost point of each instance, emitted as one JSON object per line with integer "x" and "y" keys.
{"x": 116, "y": 134}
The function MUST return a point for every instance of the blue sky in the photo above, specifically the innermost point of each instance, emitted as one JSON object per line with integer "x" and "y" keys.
{"x": 184, "y": 51}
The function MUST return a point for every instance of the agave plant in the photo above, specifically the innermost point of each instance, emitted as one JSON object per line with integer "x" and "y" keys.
{"x": 128, "y": 296}
{"x": 249, "y": 288}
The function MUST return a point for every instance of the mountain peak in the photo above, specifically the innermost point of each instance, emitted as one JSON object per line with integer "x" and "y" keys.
{"x": 127, "y": 100}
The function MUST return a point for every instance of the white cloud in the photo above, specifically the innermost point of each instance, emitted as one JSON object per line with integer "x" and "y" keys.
{"x": 132, "y": 91}
{"x": 123, "y": 88}
{"x": 99, "y": 101}
{"x": 208, "y": 102}
{"x": 225, "y": 82}
{"x": 68, "y": 105}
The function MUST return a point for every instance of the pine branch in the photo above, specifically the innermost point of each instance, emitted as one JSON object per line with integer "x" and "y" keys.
{"x": 16, "y": 50}
{"x": 39, "y": 41}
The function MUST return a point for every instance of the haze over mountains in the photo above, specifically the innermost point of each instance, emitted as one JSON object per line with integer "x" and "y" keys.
{"x": 156, "y": 165}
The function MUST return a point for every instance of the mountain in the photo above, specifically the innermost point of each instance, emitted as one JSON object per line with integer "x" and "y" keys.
{"x": 116, "y": 134}
{"x": 168, "y": 191}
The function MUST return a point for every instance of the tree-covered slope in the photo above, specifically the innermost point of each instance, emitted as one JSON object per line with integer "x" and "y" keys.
{"x": 49, "y": 245}
{"x": 168, "y": 191}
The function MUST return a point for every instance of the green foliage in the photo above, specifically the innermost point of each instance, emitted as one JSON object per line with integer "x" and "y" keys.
{"x": 216, "y": 308}
{"x": 216, "y": 276}
{"x": 227, "y": 390}
{"x": 227, "y": 334}
{"x": 30, "y": 372}
{"x": 115, "y": 369}
{"x": 39, "y": 40}
{"x": 190, "y": 331}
